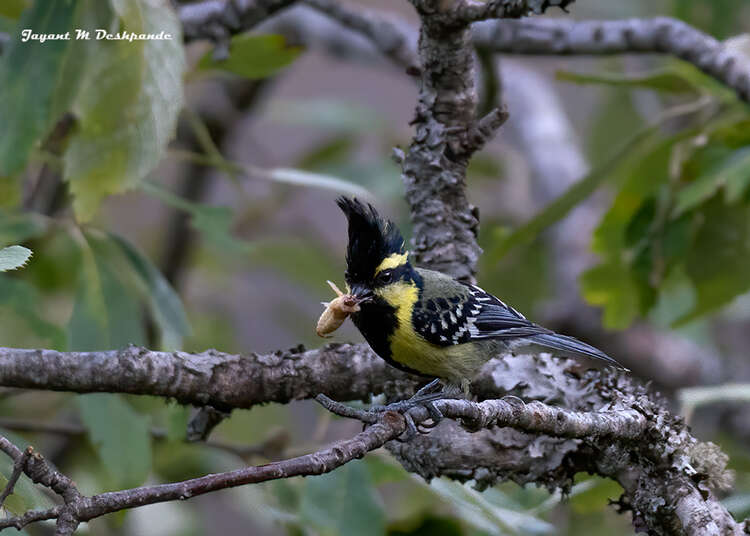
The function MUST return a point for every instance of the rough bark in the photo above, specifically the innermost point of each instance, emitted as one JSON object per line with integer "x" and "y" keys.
{"x": 78, "y": 508}
{"x": 447, "y": 133}
{"x": 668, "y": 476}
{"x": 538, "y": 448}
{"x": 661, "y": 35}
{"x": 224, "y": 381}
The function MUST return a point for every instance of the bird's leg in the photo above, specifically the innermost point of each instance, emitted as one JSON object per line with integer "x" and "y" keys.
{"x": 425, "y": 396}
{"x": 428, "y": 388}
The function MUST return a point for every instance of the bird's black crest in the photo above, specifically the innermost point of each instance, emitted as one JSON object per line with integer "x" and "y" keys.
{"x": 371, "y": 238}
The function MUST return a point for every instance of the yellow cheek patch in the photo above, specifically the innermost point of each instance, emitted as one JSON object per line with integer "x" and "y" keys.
{"x": 400, "y": 295}
{"x": 392, "y": 261}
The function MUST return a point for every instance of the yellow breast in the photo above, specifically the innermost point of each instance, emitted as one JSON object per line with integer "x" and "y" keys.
{"x": 409, "y": 348}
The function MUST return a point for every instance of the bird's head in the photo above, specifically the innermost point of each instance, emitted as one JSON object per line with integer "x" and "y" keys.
{"x": 376, "y": 256}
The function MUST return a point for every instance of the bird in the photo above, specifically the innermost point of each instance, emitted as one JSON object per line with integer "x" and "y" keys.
{"x": 428, "y": 323}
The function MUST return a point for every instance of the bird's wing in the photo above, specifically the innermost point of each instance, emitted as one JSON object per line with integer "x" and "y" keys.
{"x": 494, "y": 319}
{"x": 451, "y": 312}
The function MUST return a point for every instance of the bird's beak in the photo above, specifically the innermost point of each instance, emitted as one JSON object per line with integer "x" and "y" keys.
{"x": 362, "y": 293}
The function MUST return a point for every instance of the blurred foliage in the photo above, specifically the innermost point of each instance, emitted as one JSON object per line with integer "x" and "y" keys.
{"x": 120, "y": 437}
{"x": 681, "y": 205}
{"x": 253, "y": 56}
{"x": 98, "y": 116}
{"x": 721, "y": 18}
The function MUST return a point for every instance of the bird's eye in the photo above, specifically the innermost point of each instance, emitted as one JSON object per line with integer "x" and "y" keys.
{"x": 386, "y": 276}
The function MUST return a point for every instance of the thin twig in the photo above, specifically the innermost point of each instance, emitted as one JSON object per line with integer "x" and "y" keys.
{"x": 393, "y": 39}
{"x": 79, "y": 508}
{"x": 32, "y": 516}
{"x": 595, "y": 37}
{"x": 19, "y": 466}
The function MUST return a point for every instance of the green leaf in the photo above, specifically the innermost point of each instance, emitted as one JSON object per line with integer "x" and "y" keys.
{"x": 254, "y": 56}
{"x": 178, "y": 417}
{"x": 20, "y": 226}
{"x": 595, "y": 492}
{"x": 643, "y": 179}
{"x": 384, "y": 469}
{"x": 13, "y": 257}
{"x": 127, "y": 105}
{"x": 676, "y": 298}
{"x": 696, "y": 193}
{"x": 106, "y": 314}
{"x": 678, "y": 77}
{"x": 731, "y": 171}
{"x": 475, "y": 509}
{"x": 735, "y": 174}
{"x": 24, "y": 302}
{"x": 717, "y": 260}
{"x": 213, "y": 221}
{"x": 610, "y": 170}
{"x": 522, "y": 273}
{"x": 10, "y": 191}
{"x": 611, "y": 286}
{"x": 343, "y": 502}
{"x": 30, "y": 72}
{"x": 670, "y": 79}
{"x": 120, "y": 436}
{"x": 118, "y": 277}
{"x": 429, "y": 525}
{"x": 80, "y": 55}
{"x": 13, "y": 8}
{"x": 163, "y": 301}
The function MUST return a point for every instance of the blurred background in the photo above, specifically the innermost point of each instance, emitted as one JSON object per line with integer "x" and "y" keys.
{"x": 224, "y": 239}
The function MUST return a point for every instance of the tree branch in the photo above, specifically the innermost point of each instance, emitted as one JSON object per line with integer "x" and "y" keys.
{"x": 478, "y": 10}
{"x": 663, "y": 463}
{"x": 218, "y": 20}
{"x": 447, "y": 133}
{"x": 18, "y": 467}
{"x": 661, "y": 35}
{"x": 668, "y": 477}
{"x": 534, "y": 417}
{"x": 79, "y": 508}
{"x": 221, "y": 380}
{"x": 390, "y": 37}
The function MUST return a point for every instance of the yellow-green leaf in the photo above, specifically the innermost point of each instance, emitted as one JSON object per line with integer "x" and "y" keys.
{"x": 254, "y": 56}
{"x": 612, "y": 286}
{"x": 127, "y": 106}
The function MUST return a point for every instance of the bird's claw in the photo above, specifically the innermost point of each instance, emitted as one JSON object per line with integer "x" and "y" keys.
{"x": 425, "y": 397}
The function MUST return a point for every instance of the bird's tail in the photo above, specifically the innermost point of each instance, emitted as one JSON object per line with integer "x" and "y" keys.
{"x": 569, "y": 345}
